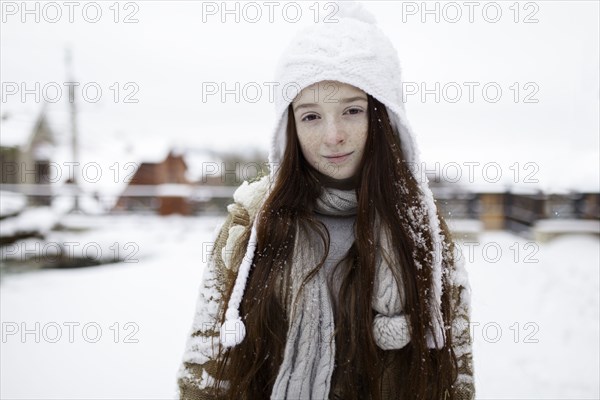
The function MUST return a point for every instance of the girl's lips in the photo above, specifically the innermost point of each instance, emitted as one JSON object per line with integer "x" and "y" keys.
{"x": 339, "y": 159}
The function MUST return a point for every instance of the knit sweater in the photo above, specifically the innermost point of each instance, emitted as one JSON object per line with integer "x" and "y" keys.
{"x": 197, "y": 370}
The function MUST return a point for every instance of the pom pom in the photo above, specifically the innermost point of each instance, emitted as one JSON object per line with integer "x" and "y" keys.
{"x": 391, "y": 333}
{"x": 233, "y": 331}
{"x": 353, "y": 9}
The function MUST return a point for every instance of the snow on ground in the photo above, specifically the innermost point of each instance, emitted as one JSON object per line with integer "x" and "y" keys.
{"x": 537, "y": 310}
{"x": 554, "y": 301}
{"x": 11, "y": 203}
{"x": 156, "y": 295}
{"x": 38, "y": 219}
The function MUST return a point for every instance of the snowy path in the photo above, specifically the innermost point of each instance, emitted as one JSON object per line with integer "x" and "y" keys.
{"x": 558, "y": 296}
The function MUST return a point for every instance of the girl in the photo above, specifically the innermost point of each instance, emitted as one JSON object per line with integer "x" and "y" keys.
{"x": 334, "y": 277}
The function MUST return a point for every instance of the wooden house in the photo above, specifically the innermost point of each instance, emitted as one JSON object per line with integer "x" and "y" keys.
{"x": 26, "y": 149}
{"x": 151, "y": 176}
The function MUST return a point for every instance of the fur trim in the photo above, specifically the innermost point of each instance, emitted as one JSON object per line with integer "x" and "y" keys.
{"x": 251, "y": 195}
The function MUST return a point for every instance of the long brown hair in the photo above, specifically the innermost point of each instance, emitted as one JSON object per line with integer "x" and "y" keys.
{"x": 386, "y": 187}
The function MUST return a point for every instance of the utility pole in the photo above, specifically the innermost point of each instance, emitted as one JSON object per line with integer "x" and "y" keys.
{"x": 74, "y": 133}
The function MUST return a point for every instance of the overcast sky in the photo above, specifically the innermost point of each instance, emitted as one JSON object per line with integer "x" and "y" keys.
{"x": 176, "y": 48}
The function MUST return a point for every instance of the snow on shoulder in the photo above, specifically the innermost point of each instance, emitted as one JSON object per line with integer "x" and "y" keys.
{"x": 251, "y": 195}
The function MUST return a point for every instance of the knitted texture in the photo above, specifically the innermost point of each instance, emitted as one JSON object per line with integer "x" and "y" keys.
{"x": 309, "y": 356}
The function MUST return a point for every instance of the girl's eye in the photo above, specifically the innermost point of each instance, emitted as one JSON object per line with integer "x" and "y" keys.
{"x": 309, "y": 117}
{"x": 354, "y": 111}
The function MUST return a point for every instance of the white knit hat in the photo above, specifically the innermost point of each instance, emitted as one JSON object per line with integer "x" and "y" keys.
{"x": 353, "y": 51}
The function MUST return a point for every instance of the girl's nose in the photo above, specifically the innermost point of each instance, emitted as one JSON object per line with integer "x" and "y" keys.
{"x": 334, "y": 133}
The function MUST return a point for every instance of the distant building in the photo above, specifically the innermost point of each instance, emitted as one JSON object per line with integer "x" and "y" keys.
{"x": 517, "y": 209}
{"x": 187, "y": 181}
{"x": 26, "y": 148}
{"x": 171, "y": 170}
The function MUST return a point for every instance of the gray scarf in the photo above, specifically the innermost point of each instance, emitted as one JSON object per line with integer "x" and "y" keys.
{"x": 309, "y": 354}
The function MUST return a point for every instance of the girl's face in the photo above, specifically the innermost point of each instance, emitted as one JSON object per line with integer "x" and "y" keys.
{"x": 332, "y": 122}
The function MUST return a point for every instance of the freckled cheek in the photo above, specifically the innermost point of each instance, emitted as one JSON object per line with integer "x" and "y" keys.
{"x": 310, "y": 145}
{"x": 358, "y": 134}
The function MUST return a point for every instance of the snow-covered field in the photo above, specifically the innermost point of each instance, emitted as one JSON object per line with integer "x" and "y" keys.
{"x": 117, "y": 331}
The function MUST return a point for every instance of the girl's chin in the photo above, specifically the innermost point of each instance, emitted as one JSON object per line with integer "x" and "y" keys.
{"x": 334, "y": 171}
{"x": 338, "y": 175}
